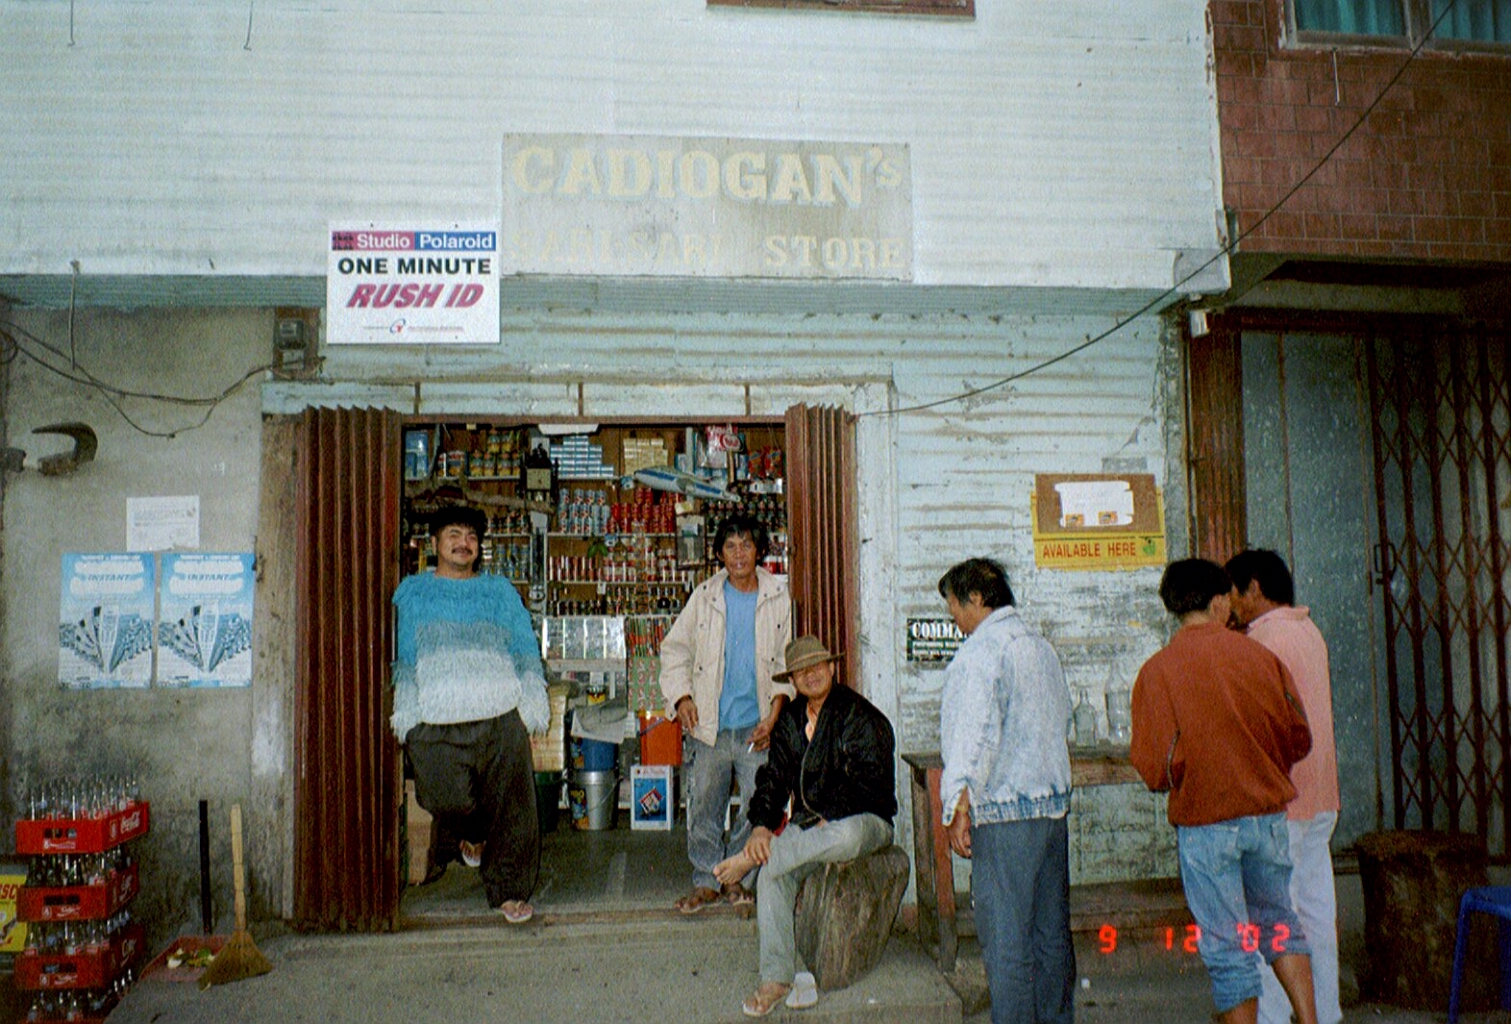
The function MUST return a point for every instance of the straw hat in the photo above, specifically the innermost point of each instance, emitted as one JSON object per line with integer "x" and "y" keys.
{"x": 805, "y": 652}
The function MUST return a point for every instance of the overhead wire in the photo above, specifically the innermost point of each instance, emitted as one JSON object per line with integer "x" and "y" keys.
{"x": 113, "y": 394}
{"x": 1227, "y": 250}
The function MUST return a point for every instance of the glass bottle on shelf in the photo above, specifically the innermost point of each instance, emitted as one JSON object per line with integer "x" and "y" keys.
{"x": 1084, "y": 718}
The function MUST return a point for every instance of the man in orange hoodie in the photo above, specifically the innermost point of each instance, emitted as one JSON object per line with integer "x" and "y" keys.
{"x": 1217, "y": 723}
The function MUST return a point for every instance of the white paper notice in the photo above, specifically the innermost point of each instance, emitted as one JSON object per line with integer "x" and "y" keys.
{"x": 1095, "y": 503}
{"x": 161, "y": 524}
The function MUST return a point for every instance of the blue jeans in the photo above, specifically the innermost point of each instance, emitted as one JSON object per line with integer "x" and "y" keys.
{"x": 1020, "y": 883}
{"x": 1237, "y": 878}
{"x": 709, "y": 777}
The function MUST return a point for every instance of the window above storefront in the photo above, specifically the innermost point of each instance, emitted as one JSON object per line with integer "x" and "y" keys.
{"x": 1453, "y": 24}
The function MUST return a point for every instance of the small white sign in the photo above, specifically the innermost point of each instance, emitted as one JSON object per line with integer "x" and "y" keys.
{"x": 1090, "y": 503}
{"x": 402, "y": 285}
{"x": 161, "y": 524}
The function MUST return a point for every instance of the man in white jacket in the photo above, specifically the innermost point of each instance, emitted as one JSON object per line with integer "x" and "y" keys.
{"x": 1005, "y": 790}
{"x": 717, "y": 664}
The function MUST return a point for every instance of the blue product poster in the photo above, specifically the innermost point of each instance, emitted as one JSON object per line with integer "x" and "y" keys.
{"x": 105, "y": 621}
{"x": 651, "y": 796}
{"x": 204, "y": 635}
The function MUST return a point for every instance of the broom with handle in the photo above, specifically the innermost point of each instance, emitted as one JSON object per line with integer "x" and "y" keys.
{"x": 239, "y": 958}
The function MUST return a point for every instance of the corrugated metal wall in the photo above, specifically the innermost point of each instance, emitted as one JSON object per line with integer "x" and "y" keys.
{"x": 346, "y": 854}
{"x": 821, "y": 511}
{"x": 956, "y": 478}
{"x": 184, "y": 138}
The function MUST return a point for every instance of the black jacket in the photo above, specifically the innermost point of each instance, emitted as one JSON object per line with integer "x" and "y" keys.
{"x": 847, "y": 768}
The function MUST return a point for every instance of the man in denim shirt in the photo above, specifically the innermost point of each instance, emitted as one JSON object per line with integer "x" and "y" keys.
{"x": 1006, "y": 790}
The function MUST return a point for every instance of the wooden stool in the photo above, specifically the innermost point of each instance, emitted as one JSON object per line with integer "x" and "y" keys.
{"x": 845, "y": 914}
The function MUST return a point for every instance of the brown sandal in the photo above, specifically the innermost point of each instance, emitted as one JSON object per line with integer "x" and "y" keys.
{"x": 736, "y": 895}
{"x": 700, "y": 897}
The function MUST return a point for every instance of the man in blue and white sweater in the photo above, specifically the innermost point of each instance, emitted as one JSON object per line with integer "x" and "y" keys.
{"x": 468, "y": 691}
{"x": 1005, "y": 790}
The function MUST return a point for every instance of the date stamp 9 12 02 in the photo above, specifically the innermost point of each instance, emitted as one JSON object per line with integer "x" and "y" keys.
{"x": 1186, "y": 940}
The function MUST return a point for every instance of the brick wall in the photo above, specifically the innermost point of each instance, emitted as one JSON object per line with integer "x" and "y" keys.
{"x": 1427, "y": 176}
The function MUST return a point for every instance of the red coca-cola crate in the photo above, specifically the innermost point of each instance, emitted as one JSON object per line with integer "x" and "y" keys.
{"x": 81, "y": 835}
{"x": 36, "y": 970}
{"x": 78, "y": 902}
{"x": 91, "y": 1016}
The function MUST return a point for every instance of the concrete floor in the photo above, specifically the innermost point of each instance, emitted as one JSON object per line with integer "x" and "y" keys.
{"x": 606, "y": 946}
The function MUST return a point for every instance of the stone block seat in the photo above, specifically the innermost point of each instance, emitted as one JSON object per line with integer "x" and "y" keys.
{"x": 1413, "y": 882}
{"x": 845, "y": 912}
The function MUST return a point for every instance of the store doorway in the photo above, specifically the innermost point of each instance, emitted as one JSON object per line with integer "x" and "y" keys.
{"x": 578, "y": 583}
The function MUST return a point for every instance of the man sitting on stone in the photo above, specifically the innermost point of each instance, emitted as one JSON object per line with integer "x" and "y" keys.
{"x": 832, "y": 757}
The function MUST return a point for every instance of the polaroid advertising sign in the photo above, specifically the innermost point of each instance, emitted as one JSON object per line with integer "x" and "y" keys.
{"x": 412, "y": 286}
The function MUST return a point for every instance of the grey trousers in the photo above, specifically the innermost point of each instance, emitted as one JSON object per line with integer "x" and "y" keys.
{"x": 796, "y": 854}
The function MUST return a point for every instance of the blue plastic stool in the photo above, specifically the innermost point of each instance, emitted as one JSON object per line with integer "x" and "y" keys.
{"x": 1494, "y": 900}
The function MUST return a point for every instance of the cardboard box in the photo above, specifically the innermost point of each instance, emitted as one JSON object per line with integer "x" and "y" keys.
{"x": 12, "y": 928}
{"x": 651, "y": 798}
{"x": 549, "y": 751}
{"x": 419, "y": 825}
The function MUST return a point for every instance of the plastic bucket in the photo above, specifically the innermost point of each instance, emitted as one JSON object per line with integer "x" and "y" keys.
{"x": 660, "y": 740}
{"x": 598, "y": 756}
{"x": 594, "y": 797}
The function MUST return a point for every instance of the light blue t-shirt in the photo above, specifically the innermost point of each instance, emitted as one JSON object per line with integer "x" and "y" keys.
{"x": 738, "y": 706}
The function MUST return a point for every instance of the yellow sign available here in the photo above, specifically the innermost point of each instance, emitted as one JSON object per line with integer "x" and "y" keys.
{"x": 1097, "y": 521}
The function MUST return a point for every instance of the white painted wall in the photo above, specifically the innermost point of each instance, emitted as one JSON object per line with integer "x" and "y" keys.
{"x": 1052, "y": 145}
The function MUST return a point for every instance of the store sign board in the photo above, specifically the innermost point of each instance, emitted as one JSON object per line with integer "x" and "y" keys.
{"x": 933, "y": 641}
{"x": 699, "y": 207}
{"x": 412, "y": 285}
{"x": 1094, "y": 521}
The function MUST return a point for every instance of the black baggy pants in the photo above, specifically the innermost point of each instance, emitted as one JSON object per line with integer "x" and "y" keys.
{"x": 478, "y": 780}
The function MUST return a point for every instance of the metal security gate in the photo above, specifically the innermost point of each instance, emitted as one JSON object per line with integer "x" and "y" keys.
{"x": 1442, "y": 449}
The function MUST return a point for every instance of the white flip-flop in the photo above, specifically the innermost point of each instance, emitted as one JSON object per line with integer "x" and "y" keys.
{"x": 804, "y": 991}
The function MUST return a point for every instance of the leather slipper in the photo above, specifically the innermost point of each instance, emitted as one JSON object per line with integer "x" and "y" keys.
{"x": 696, "y": 900}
